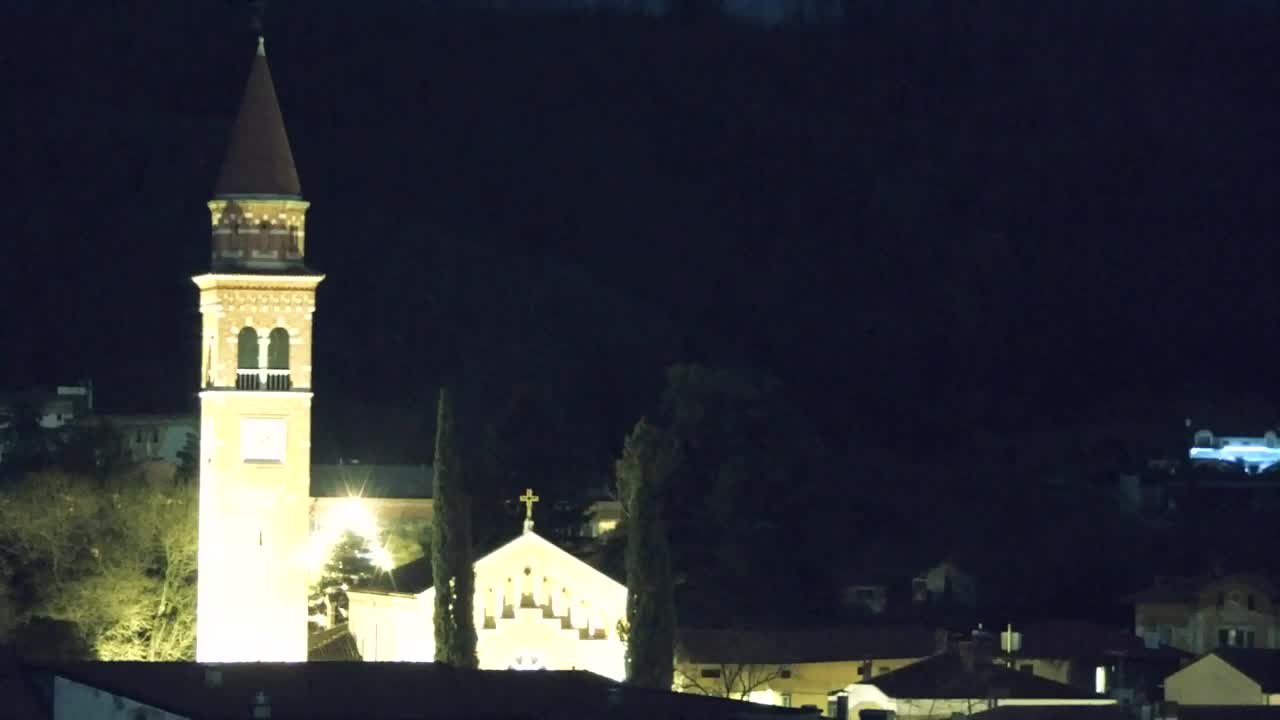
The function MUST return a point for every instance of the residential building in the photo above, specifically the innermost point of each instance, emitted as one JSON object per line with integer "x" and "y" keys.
{"x": 51, "y": 410}
{"x": 796, "y": 667}
{"x": 153, "y": 438}
{"x": 1228, "y": 676}
{"x": 961, "y": 681}
{"x": 1202, "y": 614}
{"x": 889, "y": 592}
{"x": 1091, "y": 657}
{"x": 1253, "y": 453}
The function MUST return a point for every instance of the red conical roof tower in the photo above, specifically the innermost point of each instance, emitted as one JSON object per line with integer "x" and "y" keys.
{"x": 259, "y": 162}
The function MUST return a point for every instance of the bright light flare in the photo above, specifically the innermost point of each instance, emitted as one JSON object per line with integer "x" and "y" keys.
{"x": 350, "y": 514}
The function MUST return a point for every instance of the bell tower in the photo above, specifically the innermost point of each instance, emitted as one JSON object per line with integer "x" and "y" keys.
{"x": 256, "y": 304}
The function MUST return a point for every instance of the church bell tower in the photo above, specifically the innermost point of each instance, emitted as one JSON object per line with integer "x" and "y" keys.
{"x": 256, "y": 304}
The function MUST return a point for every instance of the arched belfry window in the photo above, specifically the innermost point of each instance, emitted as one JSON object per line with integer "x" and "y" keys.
{"x": 278, "y": 349}
{"x": 247, "y": 352}
{"x": 247, "y": 359}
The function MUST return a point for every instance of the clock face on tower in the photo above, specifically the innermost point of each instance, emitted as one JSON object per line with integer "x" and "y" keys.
{"x": 262, "y": 439}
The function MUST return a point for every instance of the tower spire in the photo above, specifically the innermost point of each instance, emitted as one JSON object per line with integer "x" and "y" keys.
{"x": 259, "y": 161}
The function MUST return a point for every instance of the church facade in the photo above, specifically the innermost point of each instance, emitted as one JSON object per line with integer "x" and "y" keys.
{"x": 536, "y": 607}
{"x": 256, "y": 304}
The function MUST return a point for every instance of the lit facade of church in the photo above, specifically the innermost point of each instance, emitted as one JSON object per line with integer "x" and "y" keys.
{"x": 536, "y": 606}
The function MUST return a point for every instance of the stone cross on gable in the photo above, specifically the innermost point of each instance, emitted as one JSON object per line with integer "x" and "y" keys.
{"x": 528, "y": 498}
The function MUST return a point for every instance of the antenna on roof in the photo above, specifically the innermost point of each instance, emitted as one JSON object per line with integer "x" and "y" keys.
{"x": 257, "y": 16}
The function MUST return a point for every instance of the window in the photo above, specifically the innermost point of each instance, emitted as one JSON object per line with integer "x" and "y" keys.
{"x": 278, "y": 349}
{"x": 247, "y": 349}
{"x": 862, "y": 671}
{"x": 710, "y": 672}
{"x": 1252, "y": 603}
{"x": 1222, "y": 599}
{"x": 155, "y": 436}
{"x": 785, "y": 700}
{"x": 785, "y": 673}
{"x": 1235, "y": 637}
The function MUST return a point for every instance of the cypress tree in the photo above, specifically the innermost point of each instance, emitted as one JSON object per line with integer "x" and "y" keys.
{"x": 647, "y": 460}
{"x": 451, "y": 567}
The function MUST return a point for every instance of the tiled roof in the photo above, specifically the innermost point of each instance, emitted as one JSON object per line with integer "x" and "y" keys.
{"x": 411, "y": 578}
{"x": 375, "y": 481}
{"x": 1072, "y": 639}
{"x": 333, "y": 644}
{"x": 945, "y": 676}
{"x": 1057, "y": 712}
{"x": 259, "y": 161}
{"x": 1187, "y": 589}
{"x": 1227, "y": 712}
{"x": 391, "y": 691}
{"x": 769, "y": 646}
{"x": 1262, "y": 666}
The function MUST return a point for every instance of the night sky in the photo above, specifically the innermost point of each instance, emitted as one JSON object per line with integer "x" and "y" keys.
{"x": 942, "y": 216}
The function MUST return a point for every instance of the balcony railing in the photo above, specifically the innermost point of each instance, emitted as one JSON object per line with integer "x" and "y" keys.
{"x": 253, "y": 379}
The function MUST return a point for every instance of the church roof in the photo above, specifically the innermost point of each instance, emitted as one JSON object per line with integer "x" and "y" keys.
{"x": 372, "y": 481}
{"x": 410, "y": 578}
{"x": 415, "y": 577}
{"x": 259, "y": 161}
{"x": 946, "y": 676}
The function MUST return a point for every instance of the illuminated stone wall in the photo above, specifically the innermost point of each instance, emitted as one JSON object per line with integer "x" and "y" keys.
{"x": 255, "y": 450}
{"x": 231, "y": 302}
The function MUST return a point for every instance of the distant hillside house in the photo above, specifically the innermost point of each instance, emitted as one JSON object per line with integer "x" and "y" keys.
{"x": 1254, "y": 454}
{"x": 54, "y": 409}
{"x": 536, "y": 608}
{"x": 1230, "y": 676}
{"x": 152, "y": 438}
{"x": 1203, "y": 614}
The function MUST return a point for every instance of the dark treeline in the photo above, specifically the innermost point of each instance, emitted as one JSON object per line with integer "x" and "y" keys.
{"x": 931, "y": 218}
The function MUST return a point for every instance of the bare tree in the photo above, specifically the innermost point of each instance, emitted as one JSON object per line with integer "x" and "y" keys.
{"x": 727, "y": 680}
{"x": 115, "y": 557}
